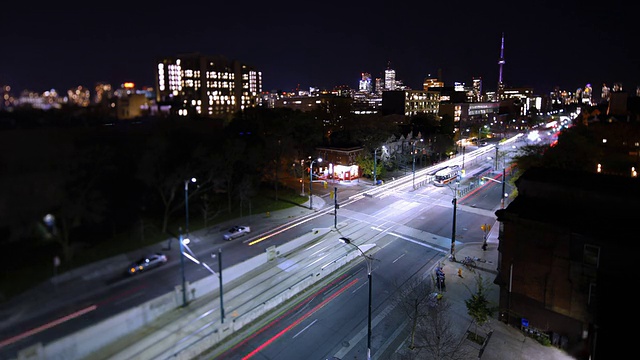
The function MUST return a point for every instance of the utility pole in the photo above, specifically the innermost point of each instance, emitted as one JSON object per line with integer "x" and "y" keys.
{"x": 335, "y": 207}
{"x": 184, "y": 287}
{"x": 220, "y": 278}
{"x": 504, "y": 179}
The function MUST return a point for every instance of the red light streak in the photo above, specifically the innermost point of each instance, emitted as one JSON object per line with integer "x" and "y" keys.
{"x": 47, "y": 326}
{"x": 299, "y": 320}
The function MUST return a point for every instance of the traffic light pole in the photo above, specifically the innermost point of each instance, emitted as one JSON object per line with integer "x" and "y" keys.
{"x": 335, "y": 207}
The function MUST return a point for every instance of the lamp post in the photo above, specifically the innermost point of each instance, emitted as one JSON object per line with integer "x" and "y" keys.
{"x": 186, "y": 204}
{"x": 184, "y": 288}
{"x": 368, "y": 260}
{"x": 219, "y": 256}
{"x": 319, "y": 160}
{"x": 504, "y": 180}
{"x": 453, "y": 226}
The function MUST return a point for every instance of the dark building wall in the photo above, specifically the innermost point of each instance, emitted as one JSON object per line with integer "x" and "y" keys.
{"x": 558, "y": 244}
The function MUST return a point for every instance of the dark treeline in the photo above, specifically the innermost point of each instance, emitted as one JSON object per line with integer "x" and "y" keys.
{"x": 100, "y": 178}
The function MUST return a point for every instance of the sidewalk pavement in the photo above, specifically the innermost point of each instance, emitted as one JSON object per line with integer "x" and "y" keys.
{"x": 502, "y": 342}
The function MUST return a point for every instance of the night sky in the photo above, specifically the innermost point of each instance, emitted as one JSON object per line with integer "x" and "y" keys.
{"x": 324, "y": 44}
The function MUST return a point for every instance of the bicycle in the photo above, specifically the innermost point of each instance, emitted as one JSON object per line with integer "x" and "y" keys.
{"x": 468, "y": 262}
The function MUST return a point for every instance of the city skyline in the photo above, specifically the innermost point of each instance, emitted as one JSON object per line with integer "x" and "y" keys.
{"x": 550, "y": 45}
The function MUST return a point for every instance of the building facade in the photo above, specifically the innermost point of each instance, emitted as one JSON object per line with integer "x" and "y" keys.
{"x": 559, "y": 244}
{"x": 410, "y": 102}
{"x": 207, "y": 86}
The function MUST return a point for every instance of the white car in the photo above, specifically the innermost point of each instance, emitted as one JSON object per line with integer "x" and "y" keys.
{"x": 236, "y": 231}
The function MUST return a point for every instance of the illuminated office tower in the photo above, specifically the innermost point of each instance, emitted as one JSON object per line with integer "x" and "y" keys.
{"x": 365, "y": 83}
{"x": 389, "y": 78}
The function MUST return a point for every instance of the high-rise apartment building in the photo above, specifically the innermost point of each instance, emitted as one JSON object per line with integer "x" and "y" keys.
{"x": 476, "y": 92}
{"x": 208, "y": 86}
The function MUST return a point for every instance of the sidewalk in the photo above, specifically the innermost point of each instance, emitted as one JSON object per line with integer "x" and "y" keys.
{"x": 502, "y": 342}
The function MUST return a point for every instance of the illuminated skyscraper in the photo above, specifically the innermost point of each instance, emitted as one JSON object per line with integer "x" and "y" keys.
{"x": 477, "y": 90}
{"x": 365, "y": 83}
{"x": 389, "y": 78}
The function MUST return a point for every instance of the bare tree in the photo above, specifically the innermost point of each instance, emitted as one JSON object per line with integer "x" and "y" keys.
{"x": 414, "y": 298}
{"x": 432, "y": 335}
{"x": 245, "y": 191}
{"x": 435, "y": 335}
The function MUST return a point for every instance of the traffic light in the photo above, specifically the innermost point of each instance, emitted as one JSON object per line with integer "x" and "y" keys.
{"x": 331, "y": 194}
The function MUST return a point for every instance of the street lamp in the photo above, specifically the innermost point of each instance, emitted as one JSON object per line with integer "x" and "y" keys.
{"x": 220, "y": 279}
{"x": 453, "y": 226}
{"x": 186, "y": 203}
{"x": 319, "y": 160}
{"x": 503, "y": 182}
{"x": 368, "y": 260}
{"x": 184, "y": 288}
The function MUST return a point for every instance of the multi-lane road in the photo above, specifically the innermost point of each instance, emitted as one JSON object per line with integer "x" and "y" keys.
{"x": 400, "y": 218}
{"x": 407, "y": 228}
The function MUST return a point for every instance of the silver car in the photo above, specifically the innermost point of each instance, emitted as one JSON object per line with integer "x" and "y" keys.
{"x": 236, "y": 231}
{"x": 147, "y": 262}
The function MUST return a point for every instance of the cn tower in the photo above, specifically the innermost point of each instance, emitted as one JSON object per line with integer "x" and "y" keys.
{"x": 501, "y": 62}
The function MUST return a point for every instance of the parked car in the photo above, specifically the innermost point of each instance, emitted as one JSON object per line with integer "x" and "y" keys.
{"x": 236, "y": 231}
{"x": 148, "y": 262}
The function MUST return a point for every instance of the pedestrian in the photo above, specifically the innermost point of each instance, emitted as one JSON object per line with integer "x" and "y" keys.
{"x": 460, "y": 272}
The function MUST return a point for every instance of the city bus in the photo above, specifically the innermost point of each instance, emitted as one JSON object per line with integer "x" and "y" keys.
{"x": 446, "y": 175}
